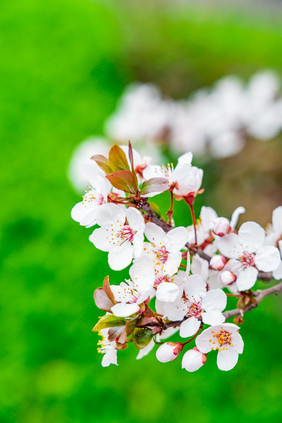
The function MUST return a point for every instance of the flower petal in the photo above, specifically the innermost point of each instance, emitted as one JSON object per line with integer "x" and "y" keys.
{"x": 176, "y": 239}
{"x": 215, "y": 299}
{"x": 120, "y": 256}
{"x": 167, "y": 292}
{"x": 135, "y": 219}
{"x": 110, "y": 214}
{"x": 277, "y": 220}
{"x": 252, "y": 236}
{"x": 230, "y": 246}
{"x": 203, "y": 341}
{"x": 124, "y": 309}
{"x": 189, "y": 327}
{"x": 227, "y": 359}
{"x": 246, "y": 278}
{"x": 267, "y": 258}
{"x": 145, "y": 351}
{"x": 195, "y": 288}
{"x": 213, "y": 317}
{"x": 154, "y": 234}
{"x": 101, "y": 240}
{"x": 193, "y": 360}
{"x": 238, "y": 342}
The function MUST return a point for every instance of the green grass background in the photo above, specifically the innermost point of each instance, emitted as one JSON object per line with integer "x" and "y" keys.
{"x": 63, "y": 66}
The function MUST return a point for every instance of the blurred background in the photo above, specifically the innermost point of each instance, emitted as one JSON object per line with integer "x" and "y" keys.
{"x": 64, "y": 66}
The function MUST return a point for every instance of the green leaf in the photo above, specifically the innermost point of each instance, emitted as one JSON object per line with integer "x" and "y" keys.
{"x": 117, "y": 159}
{"x": 141, "y": 337}
{"x": 103, "y": 162}
{"x": 156, "y": 209}
{"x": 154, "y": 185}
{"x": 109, "y": 321}
{"x": 124, "y": 180}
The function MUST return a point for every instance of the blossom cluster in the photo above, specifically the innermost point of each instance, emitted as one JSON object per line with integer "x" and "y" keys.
{"x": 215, "y": 122}
{"x": 180, "y": 277}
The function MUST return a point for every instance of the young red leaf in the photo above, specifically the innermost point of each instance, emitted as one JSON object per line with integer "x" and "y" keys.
{"x": 108, "y": 291}
{"x": 154, "y": 185}
{"x": 102, "y": 300}
{"x": 117, "y": 159}
{"x": 124, "y": 180}
{"x": 103, "y": 162}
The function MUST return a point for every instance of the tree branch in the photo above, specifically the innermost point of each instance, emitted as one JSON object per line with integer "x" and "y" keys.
{"x": 259, "y": 296}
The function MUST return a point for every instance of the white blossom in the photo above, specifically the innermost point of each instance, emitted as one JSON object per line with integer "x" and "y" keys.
{"x": 248, "y": 254}
{"x": 121, "y": 234}
{"x": 226, "y": 340}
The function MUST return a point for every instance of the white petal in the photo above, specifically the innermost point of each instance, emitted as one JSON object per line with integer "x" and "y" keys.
{"x": 213, "y": 317}
{"x": 207, "y": 215}
{"x": 189, "y": 327}
{"x": 215, "y": 299}
{"x": 172, "y": 263}
{"x": 252, "y": 236}
{"x": 203, "y": 341}
{"x": 227, "y": 359}
{"x": 138, "y": 244}
{"x": 145, "y": 351}
{"x": 85, "y": 215}
{"x": 277, "y": 220}
{"x": 235, "y": 216}
{"x": 154, "y": 233}
{"x": 230, "y": 246}
{"x": 267, "y": 258}
{"x": 277, "y": 273}
{"x": 110, "y": 214}
{"x": 124, "y": 309}
{"x": 101, "y": 240}
{"x": 185, "y": 159}
{"x": 192, "y": 360}
{"x": 200, "y": 267}
{"x": 135, "y": 219}
{"x": 246, "y": 278}
{"x": 238, "y": 342}
{"x": 142, "y": 272}
{"x": 110, "y": 357}
{"x": 195, "y": 288}
{"x": 120, "y": 256}
{"x": 176, "y": 239}
{"x": 167, "y": 292}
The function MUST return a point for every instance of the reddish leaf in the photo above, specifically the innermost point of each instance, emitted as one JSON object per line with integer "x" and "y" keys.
{"x": 124, "y": 180}
{"x": 103, "y": 162}
{"x": 102, "y": 300}
{"x": 154, "y": 185}
{"x": 130, "y": 155}
{"x": 108, "y": 291}
{"x": 117, "y": 159}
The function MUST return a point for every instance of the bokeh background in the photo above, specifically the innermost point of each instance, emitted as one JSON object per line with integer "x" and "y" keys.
{"x": 64, "y": 63}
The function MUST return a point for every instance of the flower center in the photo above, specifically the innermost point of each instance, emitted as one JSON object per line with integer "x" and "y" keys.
{"x": 247, "y": 259}
{"x": 92, "y": 197}
{"x": 161, "y": 279}
{"x": 195, "y": 310}
{"x": 126, "y": 233}
{"x": 162, "y": 254}
{"x": 223, "y": 337}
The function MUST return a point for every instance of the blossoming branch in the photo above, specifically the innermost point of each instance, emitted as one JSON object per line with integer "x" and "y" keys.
{"x": 180, "y": 278}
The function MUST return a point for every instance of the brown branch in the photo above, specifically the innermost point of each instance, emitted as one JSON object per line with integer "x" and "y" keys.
{"x": 259, "y": 296}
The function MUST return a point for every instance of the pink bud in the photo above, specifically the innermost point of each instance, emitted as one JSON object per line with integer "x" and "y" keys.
{"x": 218, "y": 262}
{"x": 169, "y": 351}
{"x": 221, "y": 226}
{"x": 227, "y": 277}
{"x": 193, "y": 360}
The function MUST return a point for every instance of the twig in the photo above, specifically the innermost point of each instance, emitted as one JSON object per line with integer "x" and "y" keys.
{"x": 259, "y": 296}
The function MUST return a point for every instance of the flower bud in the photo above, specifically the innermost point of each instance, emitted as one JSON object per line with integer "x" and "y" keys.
{"x": 221, "y": 226}
{"x": 227, "y": 277}
{"x": 193, "y": 360}
{"x": 169, "y": 351}
{"x": 218, "y": 262}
